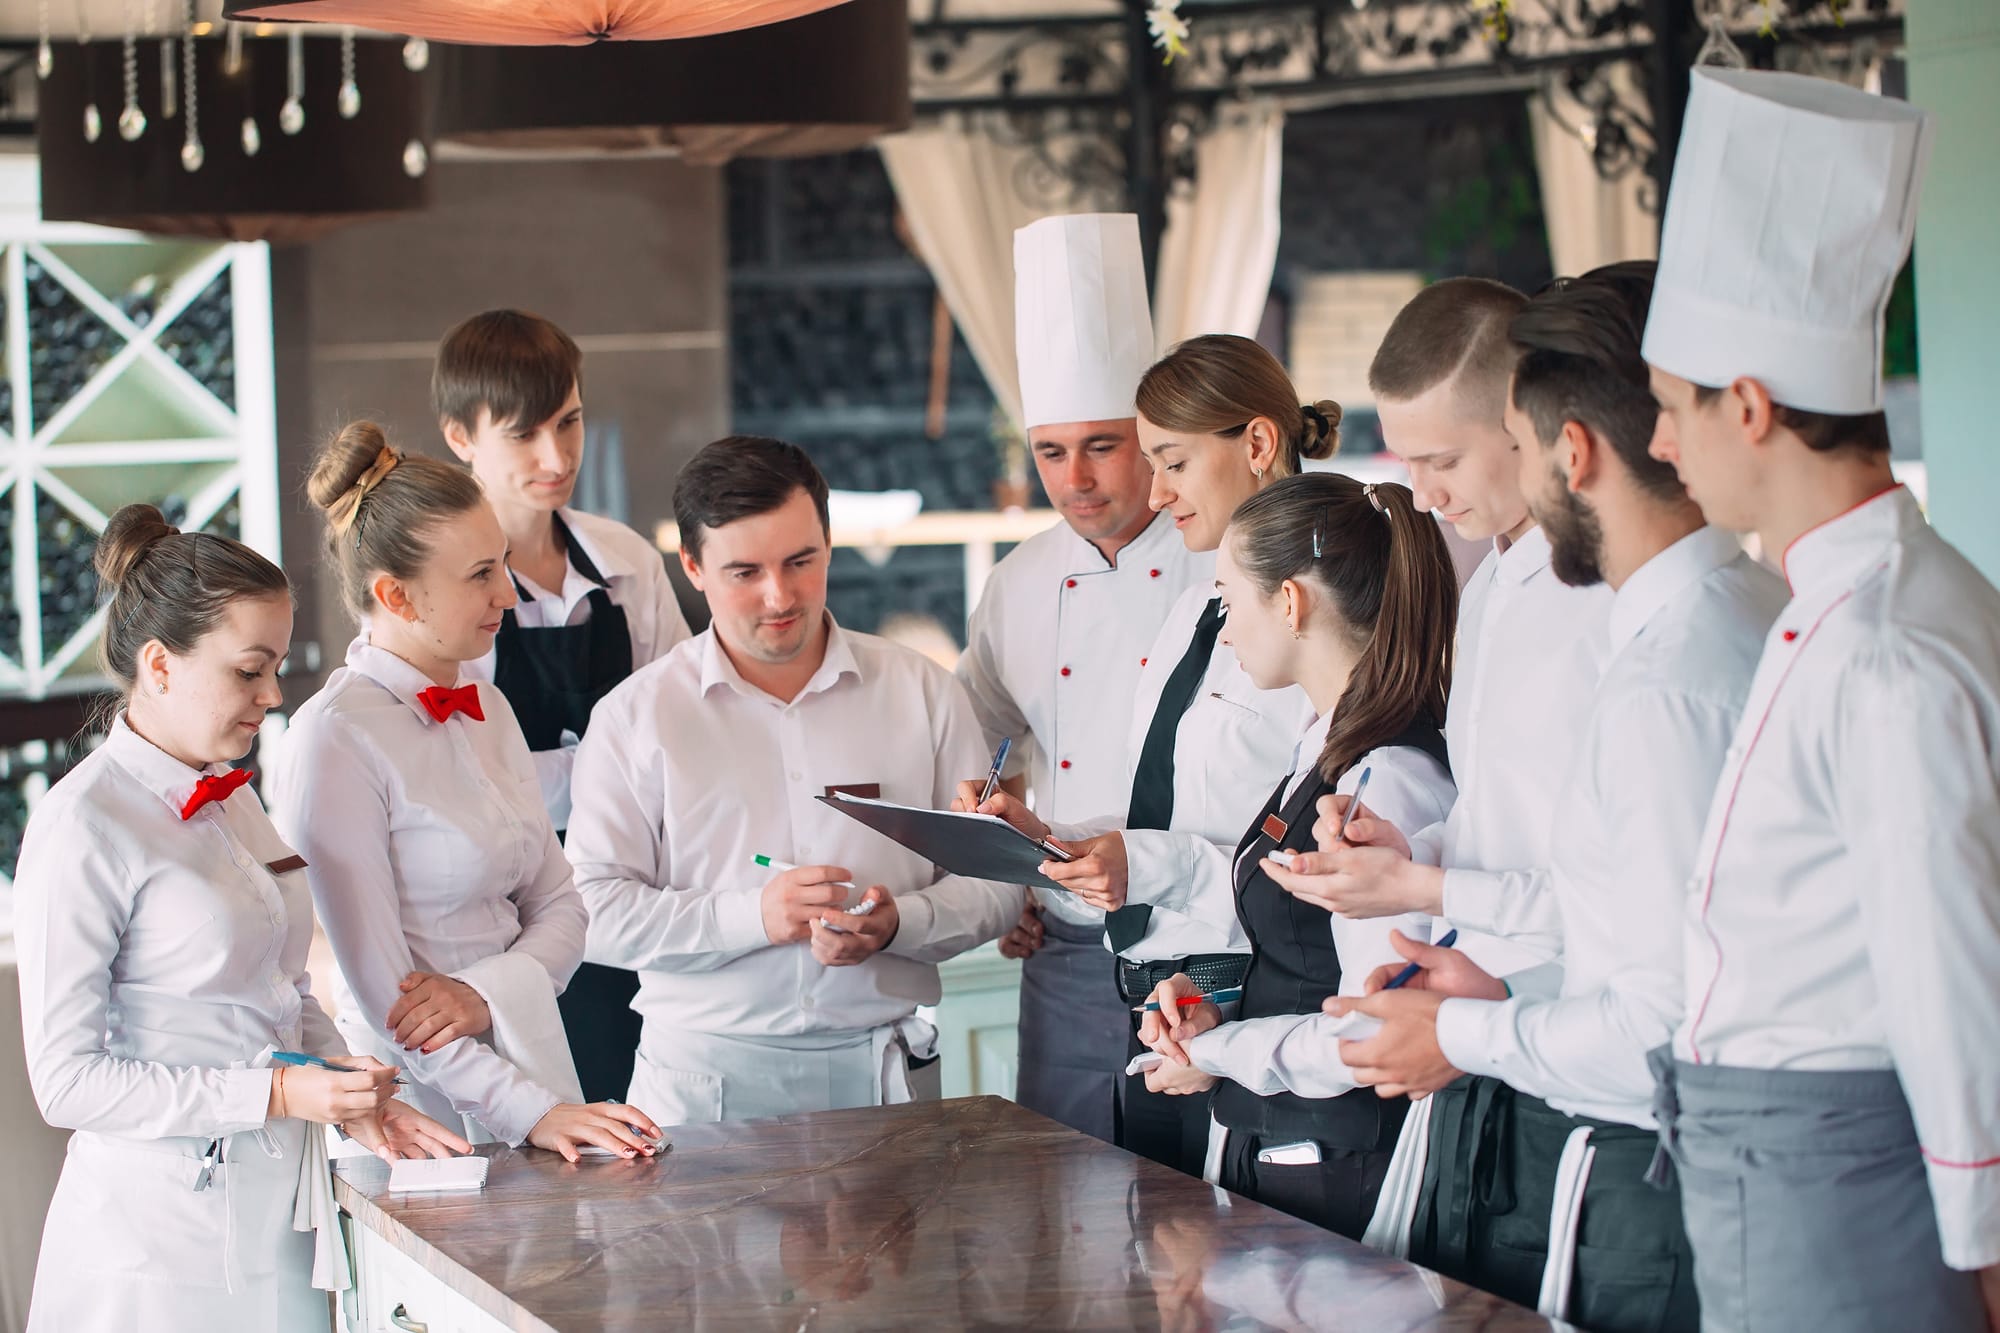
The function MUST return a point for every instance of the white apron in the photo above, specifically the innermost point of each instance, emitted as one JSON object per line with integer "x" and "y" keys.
{"x": 130, "y": 1246}
{"x": 694, "y": 1078}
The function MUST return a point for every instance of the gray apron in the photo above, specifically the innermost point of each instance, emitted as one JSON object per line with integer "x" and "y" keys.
{"x": 1806, "y": 1201}
{"x": 1073, "y": 1029}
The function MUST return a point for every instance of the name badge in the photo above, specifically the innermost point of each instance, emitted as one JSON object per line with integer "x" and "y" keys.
{"x": 1274, "y": 829}
{"x": 286, "y": 866}
{"x": 867, "y": 791}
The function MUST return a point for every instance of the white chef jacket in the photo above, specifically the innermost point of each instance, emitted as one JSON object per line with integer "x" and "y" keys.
{"x": 1052, "y": 659}
{"x": 689, "y": 771}
{"x": 1686, "y": 631}
{"x": 162, "y": 960}
{"x": 1845, "y": 907}
{"x": 635, "y": 579}
{"x": 1283, "y": 1052}
{"x": 429, "y": 850}
{"x": 1529, "y": 648}
{"x": 1232, "y": 746}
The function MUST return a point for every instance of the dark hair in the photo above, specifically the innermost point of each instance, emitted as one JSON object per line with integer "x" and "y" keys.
{"x": 1385, "y": 564}
{"x": 170, "y": 585}
{"x": 1579, "y": 348}
{"x": 1218, "y": 384}
{"x": 741, "y": 476}
{"x": 1822, "y": 432}
{"x": 1452, "y": 330}
{"x": 517, "y": 366}
{"x": 381, "y": 506}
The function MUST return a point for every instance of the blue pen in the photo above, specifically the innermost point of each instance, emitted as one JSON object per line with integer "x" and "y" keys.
{"x": 993, "y": 774}
{"x": 1223, "y": 996}
{"x": 1403, "y": 977}
{"x": 301, "y": 1058}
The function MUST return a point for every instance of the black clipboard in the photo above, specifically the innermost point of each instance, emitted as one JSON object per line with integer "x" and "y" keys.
{"x": 976, "y": 846}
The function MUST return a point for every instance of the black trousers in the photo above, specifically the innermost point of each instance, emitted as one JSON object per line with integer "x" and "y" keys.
{"x": 1172, "y": 1131}
{"x": 1338, "y": 1192}
{"x": 602, "y": 1028}
{"x": 1489, "y": 1186}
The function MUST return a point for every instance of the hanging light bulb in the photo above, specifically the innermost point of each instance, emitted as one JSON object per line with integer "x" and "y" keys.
{"x": 416, "y": 160}
{"x": 416, "y": 54}
{"x": 192, "y": 154}
{"x": 93, "y": 120}
{"x": 131, "y": 120}
{"x": 232, "y": 50}
{"x": 292, "y": 115}
{"x": 45, "y": 54}
{"x": 93, "y": 123}
{"x": 349, "y": 101}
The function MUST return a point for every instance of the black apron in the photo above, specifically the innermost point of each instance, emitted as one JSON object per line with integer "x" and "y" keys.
{"x": 1294, "y": 968}
{"x": 553, "y": 677}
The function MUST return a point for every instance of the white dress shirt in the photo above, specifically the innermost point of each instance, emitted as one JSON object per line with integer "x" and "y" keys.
{"x": 1686, "y": 630}
{"x": 1232, "y": 746}
{"x": 1052, "y": 660}
{"x": 1286, "y": 1052}
{"x": 429, "y": 850}
{"x": 689, "y": 772}
{"x": 161, "y": 961}
{"x": 1529, "y": 648}
{"x": 635, "y": 579}
{"x": 1844, "y": 912}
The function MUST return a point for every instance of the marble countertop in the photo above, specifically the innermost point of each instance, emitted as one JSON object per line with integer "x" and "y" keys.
{"x": 960, "y": 1214}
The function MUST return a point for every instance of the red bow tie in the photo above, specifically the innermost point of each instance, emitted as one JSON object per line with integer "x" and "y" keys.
{"x": 214, "y": 787}
{"x": 441, "y": 703}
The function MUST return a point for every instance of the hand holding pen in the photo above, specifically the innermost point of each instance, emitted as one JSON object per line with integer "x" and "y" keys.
{"x": 1177, "y": 1011}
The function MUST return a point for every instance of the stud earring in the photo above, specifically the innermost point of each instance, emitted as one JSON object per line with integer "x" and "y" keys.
{"x": 1257, "y": 472}
{"x": 162, "y": 687}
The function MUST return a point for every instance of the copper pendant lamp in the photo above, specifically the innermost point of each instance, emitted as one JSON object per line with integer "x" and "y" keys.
{"x": 532, "y": 22}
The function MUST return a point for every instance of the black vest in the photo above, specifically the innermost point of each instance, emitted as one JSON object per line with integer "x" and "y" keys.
{"x": 1294, "y": 967}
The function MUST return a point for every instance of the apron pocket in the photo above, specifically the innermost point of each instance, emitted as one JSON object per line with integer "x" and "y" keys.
{"x": 135, "y": 1212}
{"x": 675, "y": 1096}
{"x": 1622, "y": 1291}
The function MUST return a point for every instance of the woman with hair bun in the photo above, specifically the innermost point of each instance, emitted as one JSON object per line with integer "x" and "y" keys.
{"x": 410, "y": 789}
{"x": 162, "y": 926}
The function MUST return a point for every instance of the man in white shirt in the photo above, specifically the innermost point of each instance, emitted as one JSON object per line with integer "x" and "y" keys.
{"x": 760, "y": 995}
{"x": 1832, "y": 1099}
{"x": 595, "y": 601}
{"x": 1056, "y": 644}
{"x": 1687, "y": 625}
{"x": 1529, "y": 647}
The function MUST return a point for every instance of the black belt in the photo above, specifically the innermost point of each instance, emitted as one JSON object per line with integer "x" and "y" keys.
{"x": 1208, "y": 972}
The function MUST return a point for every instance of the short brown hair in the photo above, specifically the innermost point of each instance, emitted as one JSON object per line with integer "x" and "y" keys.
{"x": 1454, "y": 330}
{"x": 381, "y": 505}
{"x": 1822, "y": 432}
{"x": 517, "y": 366}
{"x": 170, "y": 586}
{"x": 1219, "y": 383}
{"x": 1579, "y": 361}
{"x": 742, "y": 476}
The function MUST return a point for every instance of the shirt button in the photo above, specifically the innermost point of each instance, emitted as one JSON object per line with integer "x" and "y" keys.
{"x": 1065, "y": 671}
{"x": 1155, "y": 573}
{"x": 1064, "y": 764}
{"x": 1790, "y": 635}
{"x": 1069, "y": 583}
{"x": 1142, "y": 661}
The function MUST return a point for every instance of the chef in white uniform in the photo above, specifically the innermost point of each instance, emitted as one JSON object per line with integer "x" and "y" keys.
{"x": 1056, "y": 644}
{"x": 163, "y": 927}
{"x": 1686, "y": 629}
{"x": 1832, "y": 1100}
{"x": 760, "y": 995}
{"x": 1529, "y": 646}
{"x": 410, "y": 792}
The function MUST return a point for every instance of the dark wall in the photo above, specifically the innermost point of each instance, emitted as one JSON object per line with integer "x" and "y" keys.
{"x": 627, "y": 255}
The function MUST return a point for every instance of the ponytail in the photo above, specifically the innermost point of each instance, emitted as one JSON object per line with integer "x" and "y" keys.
{"x": 1385, "y": 567}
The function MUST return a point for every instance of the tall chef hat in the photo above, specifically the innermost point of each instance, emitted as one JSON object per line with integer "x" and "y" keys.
{"x": 1082, "y": 329}
{"x": 1793, "y": 204}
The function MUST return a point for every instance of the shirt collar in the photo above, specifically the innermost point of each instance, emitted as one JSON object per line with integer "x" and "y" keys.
{"x": 1834, "y": 554}
{"x": 393, "y": 674}
{"x": 1307, "y": 751}
{"x": 1084, "y": 557}
{"x": 839, "y": 662}
{"x": 1518, "y": 561}
{"x": 607, "y": 562}
{"x": 1663, "y": 578}
{"x": 156, "y": 770}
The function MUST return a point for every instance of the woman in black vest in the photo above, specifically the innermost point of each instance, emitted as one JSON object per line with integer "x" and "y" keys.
{"x": 1346, "y": 589}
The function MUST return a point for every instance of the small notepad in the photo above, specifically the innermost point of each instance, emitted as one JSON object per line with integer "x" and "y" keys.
{"x": 437, "y": 1175}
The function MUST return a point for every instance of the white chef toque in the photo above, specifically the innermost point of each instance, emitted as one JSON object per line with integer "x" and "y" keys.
{"x": 1083, "y": 332}
{"x": 1793, "y": 204}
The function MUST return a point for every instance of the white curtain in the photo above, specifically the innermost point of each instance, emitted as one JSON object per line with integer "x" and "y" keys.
{"x": 1591, "y": 222}
{"x": 957, "y": 185}
{"x": 1221, "y": 240}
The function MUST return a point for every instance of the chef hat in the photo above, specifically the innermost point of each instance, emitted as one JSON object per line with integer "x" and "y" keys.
{"x": 1793, "y": 203}
{"x": 1082, "y": 330}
